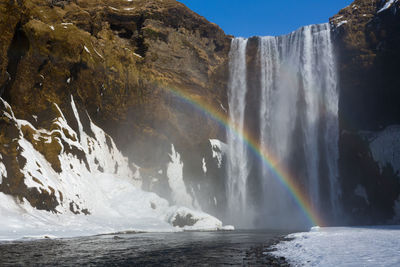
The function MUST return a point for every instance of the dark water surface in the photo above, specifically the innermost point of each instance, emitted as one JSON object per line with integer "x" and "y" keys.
{"x": 145, "y": 249}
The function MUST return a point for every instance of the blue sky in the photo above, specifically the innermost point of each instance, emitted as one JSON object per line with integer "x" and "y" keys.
{"x": 265, "y": 17}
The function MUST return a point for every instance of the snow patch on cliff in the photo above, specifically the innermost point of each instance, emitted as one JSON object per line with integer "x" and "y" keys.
{"x": 387, "y": 5}
{"x": 180, "y": 195}
{"x": 385, "y": 147}
{"x": 3, "y": 170}
{"x": 341, "y": 23}
{"x": 218, "y": 150}
{"x": 204, "y": 165}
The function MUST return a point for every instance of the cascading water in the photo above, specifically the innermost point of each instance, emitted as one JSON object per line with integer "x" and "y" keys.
{"x": 237, "y": 158}
{"x": 298, "y": 123}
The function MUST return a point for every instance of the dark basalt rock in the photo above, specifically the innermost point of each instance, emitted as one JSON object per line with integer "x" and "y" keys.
{"x": 183, "y": 221}
{"x": 368, "y": 63}
{"x": 368, "y": 60}
{"x": 382, "y": 186}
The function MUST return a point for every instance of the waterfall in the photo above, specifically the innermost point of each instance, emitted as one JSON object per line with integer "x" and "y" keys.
{"x": 298, "y": 122}
{"x": 237, "y": 158}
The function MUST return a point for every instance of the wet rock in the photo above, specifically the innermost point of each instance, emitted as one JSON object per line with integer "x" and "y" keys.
{"x": 183, "y": 221}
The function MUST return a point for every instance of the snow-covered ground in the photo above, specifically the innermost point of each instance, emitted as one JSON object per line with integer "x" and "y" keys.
{"x": 99, "y": 184}
{"x": 343, "y": 246}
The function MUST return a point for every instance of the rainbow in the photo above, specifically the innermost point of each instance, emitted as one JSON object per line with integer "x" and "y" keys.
{"x": 295, "y": 190}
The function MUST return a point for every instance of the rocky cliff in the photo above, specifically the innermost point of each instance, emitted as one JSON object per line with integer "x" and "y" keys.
{"x": 118, "y": 59}
{"x": 121, "y": 61}
{"x": 367, "y": 36}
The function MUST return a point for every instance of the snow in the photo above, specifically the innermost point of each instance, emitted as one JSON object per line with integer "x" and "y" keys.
{"x": 98, "y": 53}
{"x": 341, "y": 23}
{"x": 223, "y": 108}
{"x": 86, "y": 49}
{"x": 20, "y": 220}
{"x": 343, "y": 246}
{"x": 218, "y": 150}
{"x": 387, "y": 5}
{"x": 101, "y": 182}
{"x": 204, "y": 166}
{"x": 385, "y": 147}
{"x": 228, "y": 228}
{"x": 203, "y": 221}
{"x": 175, "y": 180}
{"x": 3, "y": 171}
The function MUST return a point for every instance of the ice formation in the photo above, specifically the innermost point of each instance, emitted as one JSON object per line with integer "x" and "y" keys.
{"x": 96, "y": 190}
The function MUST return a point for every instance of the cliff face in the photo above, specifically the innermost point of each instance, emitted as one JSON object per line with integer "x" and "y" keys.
{"x": 121, "y": 61}
{"x": 367, "y": 36}
{"x": 368, "y": 41}
{"x": 118, "y": 59}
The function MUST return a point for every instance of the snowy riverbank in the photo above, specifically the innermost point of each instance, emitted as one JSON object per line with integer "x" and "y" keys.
{"x": 343, "y": 246}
